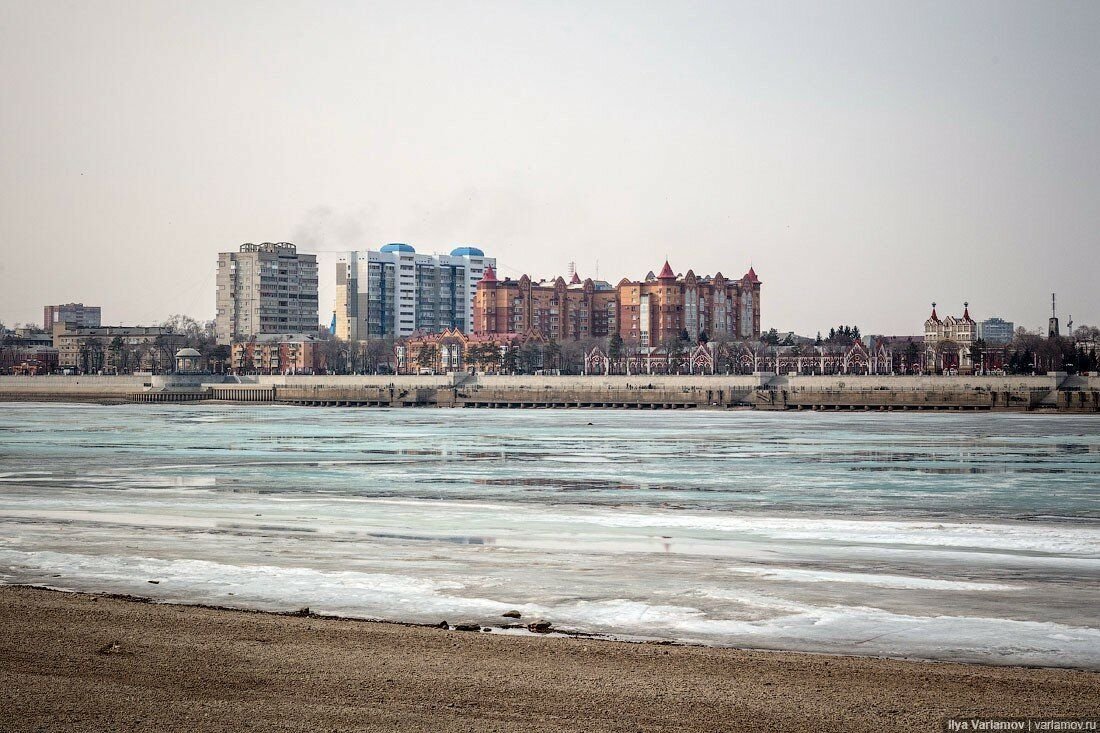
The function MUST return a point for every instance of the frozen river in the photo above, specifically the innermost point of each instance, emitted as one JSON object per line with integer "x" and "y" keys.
{"x": 967, "y": 537}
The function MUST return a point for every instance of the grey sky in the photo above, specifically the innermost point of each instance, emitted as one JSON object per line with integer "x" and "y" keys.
{"x": 866, "y": 158}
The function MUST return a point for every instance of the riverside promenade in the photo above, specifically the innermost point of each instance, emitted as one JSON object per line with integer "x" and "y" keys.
{"x": 1054, "y": 392}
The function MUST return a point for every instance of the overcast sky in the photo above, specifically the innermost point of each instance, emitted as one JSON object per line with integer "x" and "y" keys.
{"x": 865, "y": 158}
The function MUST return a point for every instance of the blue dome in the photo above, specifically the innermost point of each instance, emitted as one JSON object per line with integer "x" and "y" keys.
{"x": 397, "y": 247}
{"x": 467, "y": 252}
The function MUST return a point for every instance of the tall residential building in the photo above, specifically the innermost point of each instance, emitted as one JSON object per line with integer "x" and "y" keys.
{"x": 75, "y": 314}
{"x": 996, "y": 330}
{"x": 266, "y": 289}
{"x": 665, "y": 306}
{"x": 648, "y": 312}
{"x": 393, "y": 291}
{"x": 559, "y": 310}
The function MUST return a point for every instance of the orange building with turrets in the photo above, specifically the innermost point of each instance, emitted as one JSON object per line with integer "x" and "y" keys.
{"x": 561, "y": 311}
{"x": 659, "y": 308}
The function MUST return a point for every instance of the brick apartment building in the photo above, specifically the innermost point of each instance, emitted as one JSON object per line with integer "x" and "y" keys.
{"x": 648, "y": 312}
{"x": 281, "y": 354}
{"x": 559, "y": 310}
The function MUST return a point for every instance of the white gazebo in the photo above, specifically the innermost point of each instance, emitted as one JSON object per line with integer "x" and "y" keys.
{"x": 188, "y": 361}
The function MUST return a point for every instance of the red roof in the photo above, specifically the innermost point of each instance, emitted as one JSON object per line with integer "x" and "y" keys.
{"x": 490, "y": 275}
{"x": 666, "y": 273}
{"x": 934, "y": 316}
{"x": 750, "y": 276}
{"x": 966, "y": 312}
{"x": 576, "y": 279}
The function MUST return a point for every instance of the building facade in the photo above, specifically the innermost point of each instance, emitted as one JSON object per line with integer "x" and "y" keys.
{"x": 949, "y": 343}
{"x": 282, "y": 354}
{"x": 393, "y": 292}
{"x": 996, "y": 331}
{"x": 265, "y": 289}
{"x": 649, "y": 312}
{"x": 455, "y": 351}
{"x": 662, "y": 307}
{"x": 115, "y": 348}
{"x": 560, "y": 311}
{"x": 77, "y": 314}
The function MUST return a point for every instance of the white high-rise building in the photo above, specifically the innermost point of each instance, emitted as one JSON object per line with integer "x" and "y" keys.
{"x": 393, "y": 291}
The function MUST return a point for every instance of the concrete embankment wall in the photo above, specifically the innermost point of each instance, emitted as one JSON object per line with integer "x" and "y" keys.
{"x": 1055, "y": 392}
{"x": 898, "y": 399}
{"x": 638, "y": 391}
{"x": 355, "y": 380}
{"x": 638, "y": 381}
{"x": 923, "y": 383}
{"x": 59, "y": 388}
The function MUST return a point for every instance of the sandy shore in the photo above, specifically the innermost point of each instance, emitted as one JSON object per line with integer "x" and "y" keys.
{"x": 187, "y": 668}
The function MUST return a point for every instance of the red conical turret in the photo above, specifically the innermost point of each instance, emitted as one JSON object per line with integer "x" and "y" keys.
{"x": 966, "y": 312}
{"x": 576, "y": 279}
{"x": 750, "y": 276}
{"x": 934, "y": 317}
{"x": 490, "y": 275}
{"x": 666, "y": 273}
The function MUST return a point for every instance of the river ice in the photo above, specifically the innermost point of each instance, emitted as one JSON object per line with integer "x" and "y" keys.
{"x": 944, "y": 536}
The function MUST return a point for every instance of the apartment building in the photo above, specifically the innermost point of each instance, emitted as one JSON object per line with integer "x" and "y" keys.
{"x": 77, "y": 314}
{"x": 648, "y": 312}
{"x": 265, "y": 289}
{"x": 281, "y": 354}
{"x": 115, "y": 347}
{"x": 557, "y": 309}
{"x": 996, "y": 331}
{"x": 393, "y": 291}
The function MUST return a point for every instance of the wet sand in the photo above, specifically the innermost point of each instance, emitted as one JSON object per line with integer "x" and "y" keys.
{"x": 192, "y": 668}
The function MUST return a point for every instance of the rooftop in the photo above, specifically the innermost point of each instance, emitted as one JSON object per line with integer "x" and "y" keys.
{"x": 397, "y": 247}
{"x": 281, "y": 247}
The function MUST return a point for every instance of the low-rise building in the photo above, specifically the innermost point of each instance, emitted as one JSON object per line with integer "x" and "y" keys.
{"x": 455, "y": 351}
{"x": 116, "y": 348}
{"x": 278, "y": 354}
{"x": 32, "y": 337}
{"x": 949, "y": 342}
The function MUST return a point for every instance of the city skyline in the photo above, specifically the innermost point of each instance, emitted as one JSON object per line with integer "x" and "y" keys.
{"x": 332, "y": 258}
{"x": 865, "y": 160}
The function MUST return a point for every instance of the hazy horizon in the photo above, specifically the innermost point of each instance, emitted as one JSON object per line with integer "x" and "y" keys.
{"x": 865, "y": 159}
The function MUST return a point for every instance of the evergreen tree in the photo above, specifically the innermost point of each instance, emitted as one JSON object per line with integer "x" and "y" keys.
{"x": 428, "y": 357}
{"x": 510, "y": 360}
{"x": 615, "y": 347}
